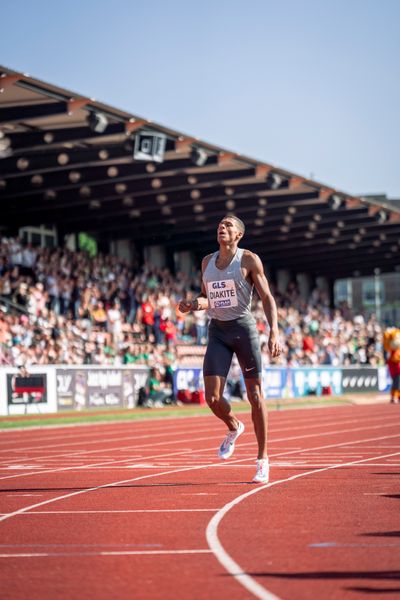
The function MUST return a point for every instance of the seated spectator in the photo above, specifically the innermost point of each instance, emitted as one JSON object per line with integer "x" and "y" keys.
{"x": 159, "y": 392}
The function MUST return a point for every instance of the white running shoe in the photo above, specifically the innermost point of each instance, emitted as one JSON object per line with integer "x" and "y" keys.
{"x": 228, "y": 445}
{"x": 262, "y": 474}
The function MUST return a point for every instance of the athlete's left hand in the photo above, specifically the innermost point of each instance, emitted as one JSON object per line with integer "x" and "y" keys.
{"x": 274, "y": 346}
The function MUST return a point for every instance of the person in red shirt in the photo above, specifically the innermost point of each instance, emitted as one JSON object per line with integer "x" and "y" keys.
{"x": 169, "y": 329}
{"x": 308, "y": 343}
{"x": 147, "y": 310}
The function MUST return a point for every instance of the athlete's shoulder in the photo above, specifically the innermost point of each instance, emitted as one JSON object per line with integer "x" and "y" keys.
{"x": 206, "y": 260}
{"x": 249, "y": 256}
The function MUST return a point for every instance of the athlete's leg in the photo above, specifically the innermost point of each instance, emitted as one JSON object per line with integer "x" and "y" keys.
{"x": 214, "y": 389}
{"x": 259, "y": 414}
{"x": 247, "y": 350}
{"x": 217, "y": 361}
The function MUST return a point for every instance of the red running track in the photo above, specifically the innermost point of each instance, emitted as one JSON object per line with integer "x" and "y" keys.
{"x": 145, "y": 510}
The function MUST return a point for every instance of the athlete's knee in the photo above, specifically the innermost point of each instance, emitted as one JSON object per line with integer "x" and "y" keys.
{"x": 212, "y": 399}
{"x": 255, "y": 396}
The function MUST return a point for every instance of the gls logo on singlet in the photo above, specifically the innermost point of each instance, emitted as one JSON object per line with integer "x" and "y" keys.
{"x": 222, "y": 294}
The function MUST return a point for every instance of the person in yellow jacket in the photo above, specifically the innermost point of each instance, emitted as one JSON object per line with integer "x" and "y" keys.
{"x": 391, "y": 345}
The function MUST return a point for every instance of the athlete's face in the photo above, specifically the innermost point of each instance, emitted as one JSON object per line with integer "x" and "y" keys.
{"x": 228, "y": 231}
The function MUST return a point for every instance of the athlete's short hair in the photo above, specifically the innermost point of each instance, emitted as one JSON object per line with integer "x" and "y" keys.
{"x": 241, "y": 226}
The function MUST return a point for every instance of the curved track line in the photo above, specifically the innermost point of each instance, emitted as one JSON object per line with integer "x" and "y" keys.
{"x": 227, "y": 561}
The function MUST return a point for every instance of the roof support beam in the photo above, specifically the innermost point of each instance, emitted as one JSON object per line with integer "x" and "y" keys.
{"x": 133, "y": 182}
{"x": 93, "y": 167}
{"x": 51, "y": 137}
{"x": 8, "y": 80}
{"x": 150, "y": 221}
{"x": 52, "y": 207}
{"x": 32, "y": 111}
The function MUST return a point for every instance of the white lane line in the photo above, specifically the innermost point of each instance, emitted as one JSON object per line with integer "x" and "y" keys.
{"x": 84, "y": 454}
{"x": 39, "y": 434}
{"x": 19, "y": 495}
{"x": 109, "y": 462}
{"x": 227, "y": 561}
{"x": 139, "y": 510}
{"x": 253, "y": 584}
{"x": 295, "y": 463}
{"x": 180, "y": 470}
{"x": 108, "y": 440}
{"x": 188, "y": 451}
{"x": 204, "y": 428}
{"x": 201, "y": 494}
{"x": 54, "y": 435}
{"x": 16, "y": 467}
{"x": 99, "y": 487}
{"x": 105, "y": 553}
{"x": 297, "y": 437}
{"x": 323, "y": 545}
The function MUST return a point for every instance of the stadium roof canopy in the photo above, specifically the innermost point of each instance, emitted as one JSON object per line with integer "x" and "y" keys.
{"x": 68, "y": 161}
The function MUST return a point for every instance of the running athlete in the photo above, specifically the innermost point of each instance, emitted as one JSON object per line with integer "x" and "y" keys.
{"x": 228, "y": 279}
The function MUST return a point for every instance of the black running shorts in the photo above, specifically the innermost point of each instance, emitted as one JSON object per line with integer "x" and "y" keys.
{"x": 239, "y": 336}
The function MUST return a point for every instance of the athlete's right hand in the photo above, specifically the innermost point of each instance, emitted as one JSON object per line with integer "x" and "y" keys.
{"x": 185, "y": 306}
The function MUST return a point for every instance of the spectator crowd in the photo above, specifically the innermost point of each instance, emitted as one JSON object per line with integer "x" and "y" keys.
{"x": 63, "y": 307}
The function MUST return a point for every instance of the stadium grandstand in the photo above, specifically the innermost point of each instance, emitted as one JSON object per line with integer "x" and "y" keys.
{"x": 105, "y": 219}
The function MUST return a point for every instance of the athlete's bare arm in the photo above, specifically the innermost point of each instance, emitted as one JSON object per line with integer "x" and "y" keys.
{"x": 201, "y": 302}
{"x": 254, "y": 270}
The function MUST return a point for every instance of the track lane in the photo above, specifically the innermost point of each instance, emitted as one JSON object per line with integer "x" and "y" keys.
{"x": 200, "y": 485}
{"x": 142, "y": 447}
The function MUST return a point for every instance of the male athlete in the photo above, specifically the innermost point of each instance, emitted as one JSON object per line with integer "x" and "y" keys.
{"x": 228, "y": 279}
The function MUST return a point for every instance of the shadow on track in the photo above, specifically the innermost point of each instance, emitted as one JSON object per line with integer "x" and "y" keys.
{"x": 382, "y": 534}
{"x": 376, "y": 575}
{"x": 370, "y": 590}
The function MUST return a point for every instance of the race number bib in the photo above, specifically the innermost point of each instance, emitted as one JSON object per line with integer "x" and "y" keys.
{"x": 222, "y": 294}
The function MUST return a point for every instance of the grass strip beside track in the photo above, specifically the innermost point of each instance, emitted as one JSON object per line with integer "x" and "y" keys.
{"x": 107, "y": 416}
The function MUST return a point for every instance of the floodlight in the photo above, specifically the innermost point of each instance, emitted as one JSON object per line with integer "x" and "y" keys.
{"x": 198, "y": 156}
{"x": 275, "y": 181}
{"x": 335, "y": 202}
{"x": 97, "y": 121}
{"x": 381, "y": 216}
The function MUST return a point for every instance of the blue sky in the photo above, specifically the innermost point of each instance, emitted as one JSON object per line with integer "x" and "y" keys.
{"x": 310, "y": 86}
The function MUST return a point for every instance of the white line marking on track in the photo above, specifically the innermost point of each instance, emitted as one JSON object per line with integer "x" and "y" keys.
{"x": 253, "y": 584}
{"x": 307, "y": 424}
{"x": 226, "y": 560}
{"x": 25, "y": 467}
{"x": 17, "y": 495}
{"x": 297, "y": 437}
{"x": 139, "y": 510}
{"x": 162, "y": 424}
{"x": 201, "y": 494}
{"x": 323, "y": 545}
{"x": 106, "y": 553}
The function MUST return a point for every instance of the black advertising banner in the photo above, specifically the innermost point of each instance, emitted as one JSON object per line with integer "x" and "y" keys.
{"x": 21, "y": 398}
{"x": 359, "y": 380}
{"x": 99, "y": 388}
